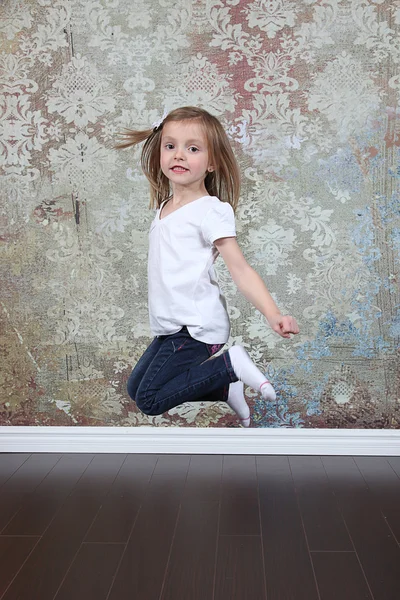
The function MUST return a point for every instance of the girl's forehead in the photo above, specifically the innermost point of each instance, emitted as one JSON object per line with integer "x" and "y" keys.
{"x": 187, "y": 129}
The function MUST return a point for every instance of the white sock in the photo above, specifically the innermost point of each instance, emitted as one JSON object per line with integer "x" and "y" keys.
{"x": 237, "y": 402}
{"x": 246, "y": 371}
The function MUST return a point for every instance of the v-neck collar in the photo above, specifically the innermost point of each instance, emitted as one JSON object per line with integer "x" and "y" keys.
{"x": 177, "y": 209}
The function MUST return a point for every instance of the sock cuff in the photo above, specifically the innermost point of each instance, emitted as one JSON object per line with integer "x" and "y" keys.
{"x": 265, "y": 382}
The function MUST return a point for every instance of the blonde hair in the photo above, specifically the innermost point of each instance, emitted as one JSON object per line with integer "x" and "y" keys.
{"x": 223, "y": 181}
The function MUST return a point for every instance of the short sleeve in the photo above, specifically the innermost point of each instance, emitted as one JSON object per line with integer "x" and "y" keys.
{"x": 219, "y": 222}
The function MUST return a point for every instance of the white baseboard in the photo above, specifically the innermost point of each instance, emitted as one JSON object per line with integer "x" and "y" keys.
{"x": 178, "y": 440}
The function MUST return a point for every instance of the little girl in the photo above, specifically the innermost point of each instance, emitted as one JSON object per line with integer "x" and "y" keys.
{"x": 194, "y": 181}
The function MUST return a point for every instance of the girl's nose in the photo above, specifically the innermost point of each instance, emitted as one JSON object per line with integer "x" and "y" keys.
{"x": 179, "y": 154}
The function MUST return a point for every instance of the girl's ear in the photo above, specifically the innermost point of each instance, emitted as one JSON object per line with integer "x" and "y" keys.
{"x": 210, "y": 169}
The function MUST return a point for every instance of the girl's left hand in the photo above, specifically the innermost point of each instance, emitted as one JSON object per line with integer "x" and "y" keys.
{"x": 284, "y": 325}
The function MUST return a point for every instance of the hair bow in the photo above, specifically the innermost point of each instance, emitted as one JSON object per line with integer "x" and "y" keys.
{"x": 157, "y": 124}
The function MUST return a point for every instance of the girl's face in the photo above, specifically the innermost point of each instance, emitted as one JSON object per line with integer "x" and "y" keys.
{"x": 184, "y": 155}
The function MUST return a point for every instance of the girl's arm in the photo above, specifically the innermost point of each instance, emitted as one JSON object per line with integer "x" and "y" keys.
{"x": 253, "y": 287}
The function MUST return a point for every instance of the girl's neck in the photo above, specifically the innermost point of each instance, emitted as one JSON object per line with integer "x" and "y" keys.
{"x": 183, "y": 195}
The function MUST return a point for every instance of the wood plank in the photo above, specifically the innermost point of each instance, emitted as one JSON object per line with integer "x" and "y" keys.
{"x": 339, "y": 576}
{"x": 203, "y": 483}
{"x": 13, "y": 553}
{"x": 44, "y": 570}
{"x": 25, "y": 480}
{"x": 190, "y": 572}
{"x": 91, "y": 573}
{"x": 43, "y": 503}
{"x": 239, "y": 572}
{"x": 322, "y": 520}
{"x": 288, "y": 566}
{"x": 394, "y": 462}
{"x": 9, "y": 463}
{"x": 376, "y": 547}
{"x": 239, "y": 499}
{"x": 142, "y": 570}
{"x": 118, "y": 512}
{"x": 384, "y": 484}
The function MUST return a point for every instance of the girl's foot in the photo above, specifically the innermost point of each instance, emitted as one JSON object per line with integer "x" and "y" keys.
{"x": 267, "y": 391}
{"x": 246, "y": 371}
{"x": 237, "y": 402}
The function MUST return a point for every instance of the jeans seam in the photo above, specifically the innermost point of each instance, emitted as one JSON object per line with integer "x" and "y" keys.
{"x": 181, "y": 346}
{"x": 145, "y": 392}
{"x": 229, "y": 367}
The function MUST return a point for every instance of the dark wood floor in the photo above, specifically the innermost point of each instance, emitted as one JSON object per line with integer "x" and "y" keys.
{"x": 144, "y": 527}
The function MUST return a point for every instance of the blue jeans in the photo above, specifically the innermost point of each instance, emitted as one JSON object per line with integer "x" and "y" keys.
{"x": 175, "y": 369}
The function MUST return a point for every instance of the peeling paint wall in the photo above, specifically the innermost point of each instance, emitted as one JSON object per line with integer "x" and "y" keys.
{"x": 308, "y": 91}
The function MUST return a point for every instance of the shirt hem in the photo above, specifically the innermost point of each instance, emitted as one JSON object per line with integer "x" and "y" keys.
{"x": 205, "y": 340}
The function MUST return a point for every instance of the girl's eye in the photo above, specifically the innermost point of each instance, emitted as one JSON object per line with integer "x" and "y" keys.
{"x": 169, "y": 146}
{"x": 193, "y": 149}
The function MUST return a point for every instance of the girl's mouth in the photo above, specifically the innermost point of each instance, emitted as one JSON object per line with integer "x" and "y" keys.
{"x": 179, "y": 169}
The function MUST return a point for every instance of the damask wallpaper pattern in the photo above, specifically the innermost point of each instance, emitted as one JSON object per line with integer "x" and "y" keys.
{"x": 308, "y": 91}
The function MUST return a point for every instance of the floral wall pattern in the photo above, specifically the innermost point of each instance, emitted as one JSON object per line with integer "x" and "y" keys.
{"x": 308, "y": 91}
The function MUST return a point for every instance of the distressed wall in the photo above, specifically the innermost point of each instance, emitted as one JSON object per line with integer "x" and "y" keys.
{"x": 309, "y": 93}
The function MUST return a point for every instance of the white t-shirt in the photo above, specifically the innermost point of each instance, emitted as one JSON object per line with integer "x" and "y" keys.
{"x": 183, "y": 289}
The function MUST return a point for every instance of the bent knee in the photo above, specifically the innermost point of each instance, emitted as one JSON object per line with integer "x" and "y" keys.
{"x": 147, "y": 405}
{"x": 131, "y": 389}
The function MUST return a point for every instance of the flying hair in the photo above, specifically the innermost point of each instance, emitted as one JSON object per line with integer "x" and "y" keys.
{"x": 223, "y": 181}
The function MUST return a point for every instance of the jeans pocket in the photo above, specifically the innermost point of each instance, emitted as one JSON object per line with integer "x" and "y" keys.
{"x": 179, "y": 346}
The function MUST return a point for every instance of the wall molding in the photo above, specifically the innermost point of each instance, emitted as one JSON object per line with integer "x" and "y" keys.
{"x": 186, "y": 440}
